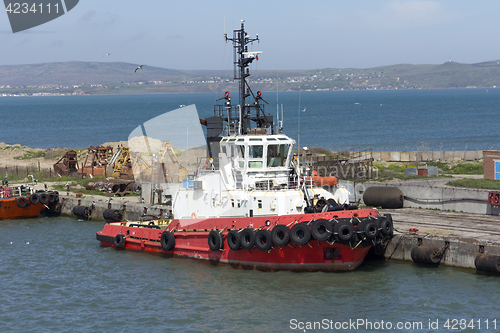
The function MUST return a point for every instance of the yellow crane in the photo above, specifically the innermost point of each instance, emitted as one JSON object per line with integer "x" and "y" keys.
{"x": 166, "y": 148}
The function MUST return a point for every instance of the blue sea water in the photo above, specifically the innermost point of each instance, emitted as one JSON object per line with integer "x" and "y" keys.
{"x": 404, "y": 120}
{"x": 54, "y": 277}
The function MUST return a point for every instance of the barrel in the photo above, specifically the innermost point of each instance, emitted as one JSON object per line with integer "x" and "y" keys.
{"x": 81, "y": 211}
{"x": 488, "y": 263}
{"x": 385, "y": 197}
{"x": 425, "y": 254}
{"x": 112, "y": 215}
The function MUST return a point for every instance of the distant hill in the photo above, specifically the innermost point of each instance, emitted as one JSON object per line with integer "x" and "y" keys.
{"x": 121, "y": 78}
{"x": 78, "y": 72}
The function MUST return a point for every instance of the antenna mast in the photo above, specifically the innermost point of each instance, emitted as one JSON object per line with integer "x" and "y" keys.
{"x": 241, "y": 72}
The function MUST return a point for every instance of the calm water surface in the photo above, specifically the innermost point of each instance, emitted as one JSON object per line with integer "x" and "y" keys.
{"x": 54, "y": 277}
{"x": 441, "y": 119}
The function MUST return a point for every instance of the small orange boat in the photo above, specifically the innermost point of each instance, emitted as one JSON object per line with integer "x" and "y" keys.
{"x": 20, "y": 207}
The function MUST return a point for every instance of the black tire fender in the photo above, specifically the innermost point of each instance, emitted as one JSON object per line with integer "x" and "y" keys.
{"x": 22, "y": 202}
{"x": 263, "y": 240}
{"x": 280, "y": 235}
{"x": 44, "y": 198}
{"x": 215, "y": 240}
{"x": 300, "y": 234}
{"x": 34, "y": 199}
{"x": 321, "y": 229}
{"x": 386, "y": 226}
{"x": 233, "y": 240}
{"x": 120, "y": 241}
{"x": 370, "y": 230}
{"x": 344, "y": 231}
{"x": 167, "y": 241}
{"x": 247, "y": 238}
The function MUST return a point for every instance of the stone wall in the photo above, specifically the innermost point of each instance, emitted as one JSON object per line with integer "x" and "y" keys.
{"x": 427, "y": 156}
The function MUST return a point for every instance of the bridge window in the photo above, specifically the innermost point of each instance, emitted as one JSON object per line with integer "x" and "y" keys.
{"x": 255, "y": 151}
{"x": 277, "y": 155}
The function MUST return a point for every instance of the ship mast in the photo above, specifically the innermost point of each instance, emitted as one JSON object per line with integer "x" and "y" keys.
{"x": 242, "y": 59}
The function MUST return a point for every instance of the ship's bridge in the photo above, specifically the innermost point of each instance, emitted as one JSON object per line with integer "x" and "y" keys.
{"x": 256, "y": 161}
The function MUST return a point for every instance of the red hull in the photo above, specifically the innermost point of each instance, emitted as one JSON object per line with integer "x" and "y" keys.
{"x": 191, "y": 241}
{"x": 12, "y": 208}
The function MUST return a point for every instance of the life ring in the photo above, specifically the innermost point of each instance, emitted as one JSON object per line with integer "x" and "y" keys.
{"x": 22, "y": 202}
{"x": 119, "y": 241}
{"x": 167, "y": 241}
{"x": 280, "y": 235}
{"x": 300, "y": 234}
{"x": 321, "y": 229}
{"x": 34, "y": 199}
{"x": 208, "y": 163}
{"x": 247, "y": 238}
{"x": 194, "y": 216}
{"x": 226, "y": 94}
{"x": 215, "y": 240}
{"x": 233, "y": 240}
{"x": 44, "y": 198}
{"x": 263, "y": 240}
{"x": 259, "y": 94}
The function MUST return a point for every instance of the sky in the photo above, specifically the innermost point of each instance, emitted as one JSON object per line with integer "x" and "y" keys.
{"x": 188, "y": 35}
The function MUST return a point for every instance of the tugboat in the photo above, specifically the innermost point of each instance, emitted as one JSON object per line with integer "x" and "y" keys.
{"x": 251, "y": 205}
{"x": 25, "y": 206}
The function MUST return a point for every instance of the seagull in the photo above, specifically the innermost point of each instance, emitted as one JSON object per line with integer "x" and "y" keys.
{"x": 304, "y": 110}
{"x": 107, "y": 54}
{"x": 140, "y": 67}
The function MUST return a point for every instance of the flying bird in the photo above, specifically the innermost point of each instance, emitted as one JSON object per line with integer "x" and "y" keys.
{"x": 140, "y": 67}
{"x": 107, "y": 54}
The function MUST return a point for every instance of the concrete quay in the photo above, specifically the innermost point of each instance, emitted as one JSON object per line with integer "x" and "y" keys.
{"x": 131, "y": 208}
{"x": 462, "y": 236}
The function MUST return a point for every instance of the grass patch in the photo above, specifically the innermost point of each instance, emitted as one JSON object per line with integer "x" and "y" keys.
{"x": 30, "y": 154}
{"x": 490, "y": 184}
{"x": 392, "y": 171}
{"x": 473, "y": 168}
{"x": 11, "y": 147}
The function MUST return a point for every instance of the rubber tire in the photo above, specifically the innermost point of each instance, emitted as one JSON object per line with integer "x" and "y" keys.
{"x": 370, "y": 230}
{"x": 280, "y": 235}
{"x": 22, "y": 202}
{"x": 247, "y": 238}
{"x": 167, "y": 241}
{"x": 263, "y": 240}
{"x": 57, "y": 208}
{"x": 321, "y": 229}
{"x": 44, "y": 198}
{"x": 233, "y": 240}
{"x": 386, "y": 226}
{"x": 120, "y": 241}
{"x": 34, "y": 199}
{"x": 300, "y": 234}
{"x": 215, "y": 240}
{"x": 52, "y": 197}
{"x": 344, "y": 231}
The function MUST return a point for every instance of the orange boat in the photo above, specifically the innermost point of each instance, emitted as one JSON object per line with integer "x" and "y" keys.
{"x": 20, "y": 207}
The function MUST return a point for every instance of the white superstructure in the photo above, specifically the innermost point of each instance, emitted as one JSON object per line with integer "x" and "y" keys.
{"x": 256, "y": 177}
